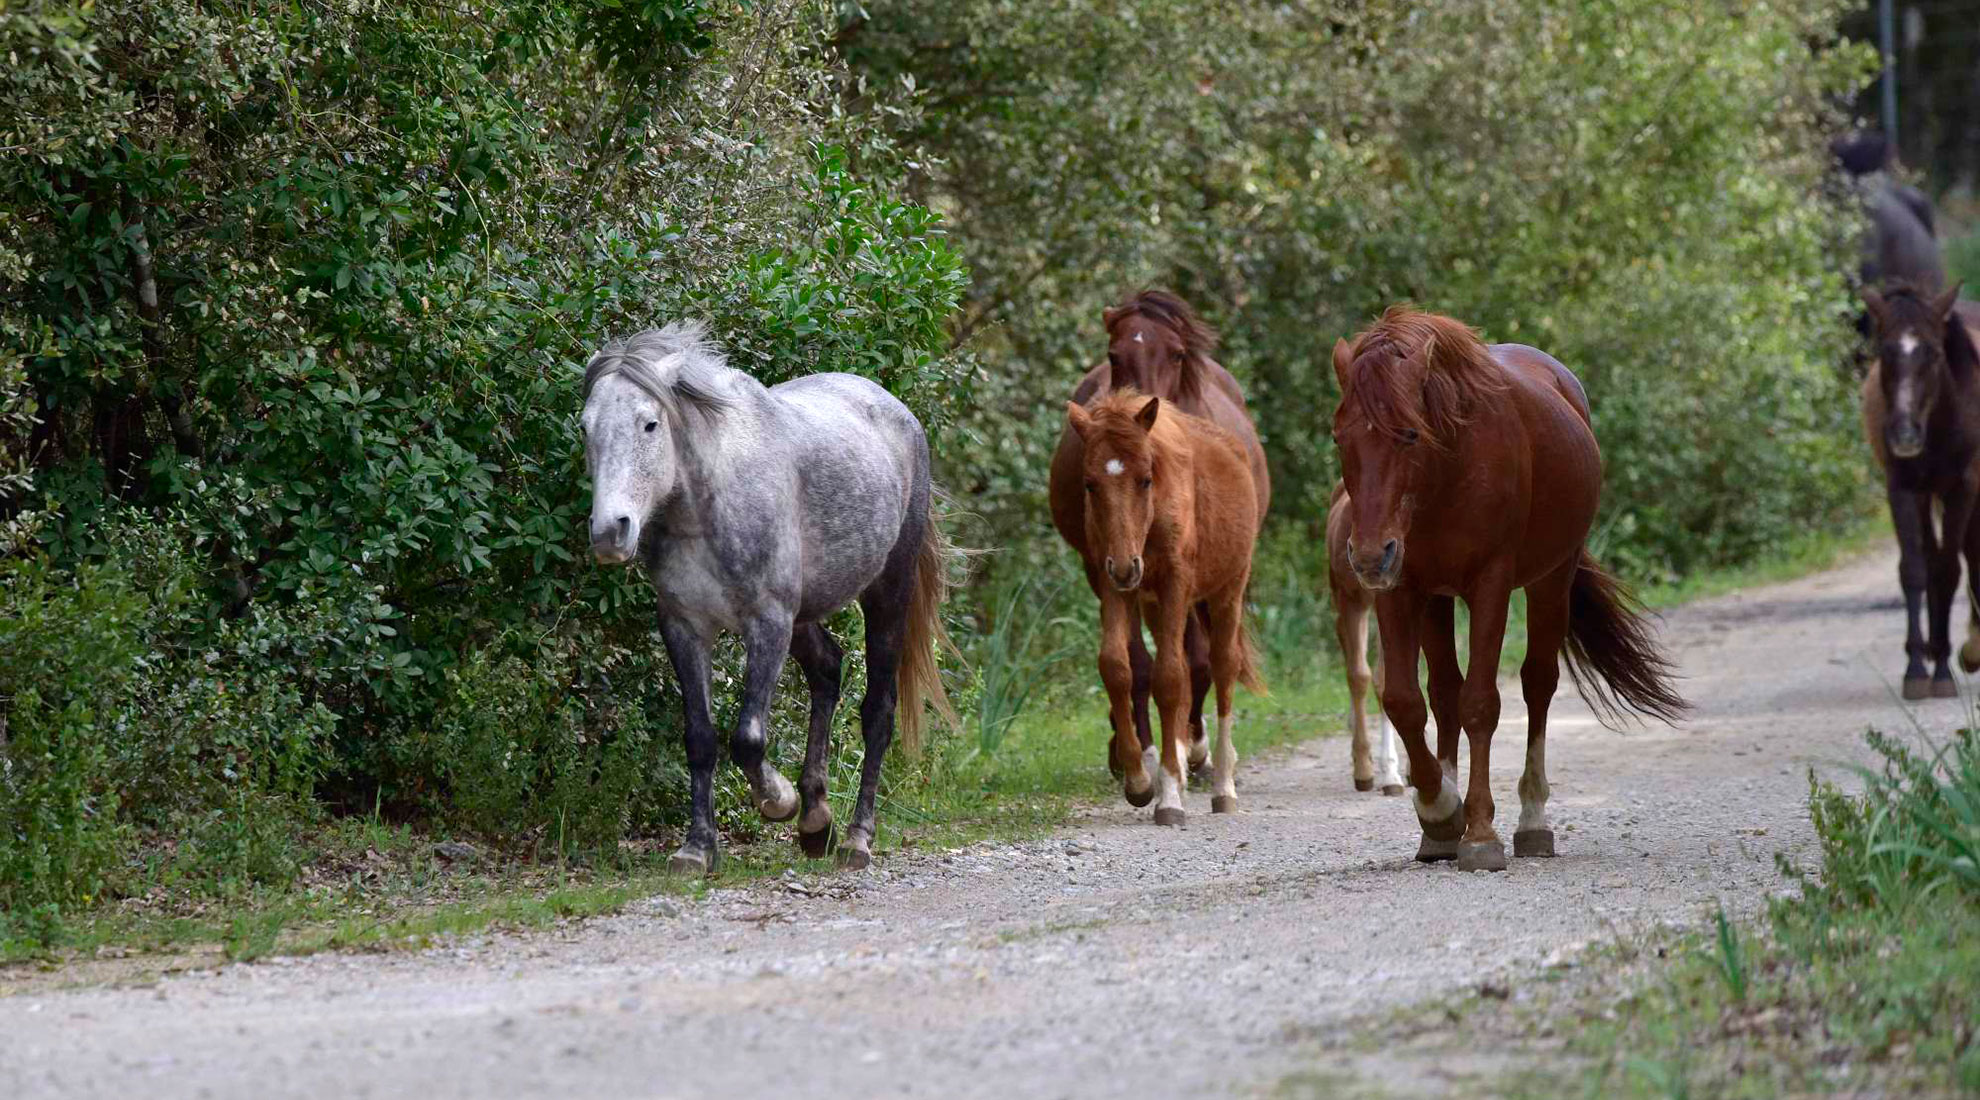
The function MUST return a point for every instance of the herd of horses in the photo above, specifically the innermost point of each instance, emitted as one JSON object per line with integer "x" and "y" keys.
{"x": 1469, "y": 471}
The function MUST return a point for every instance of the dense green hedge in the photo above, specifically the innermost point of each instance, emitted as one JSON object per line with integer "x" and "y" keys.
{"x": 292, "y": 296}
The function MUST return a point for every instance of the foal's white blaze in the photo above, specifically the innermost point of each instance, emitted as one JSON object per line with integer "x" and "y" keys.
{"x": 1906, "y": 343}
{"x": 1226, "y": 778}
{"x": 1387, "y": 771}
{"x": 1138, "y": 339}
{"x": 1114, "y": 467}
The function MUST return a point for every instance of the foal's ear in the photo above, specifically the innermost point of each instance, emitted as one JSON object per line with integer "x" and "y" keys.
{"x": 1942, "y": 306}
{"x": 1343, "y": 359}
{"x": 1875, "y": 302}
{"x": 1078, "y": 417}
{"x": 1146, "y": 417}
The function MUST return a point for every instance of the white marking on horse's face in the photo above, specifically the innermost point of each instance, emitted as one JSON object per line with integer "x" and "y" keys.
{"x": 1908, "y": 343}
{"x": 1114, "y": 467}
{"x": 628, "y": 447}
{"x": 1138, "y": 337}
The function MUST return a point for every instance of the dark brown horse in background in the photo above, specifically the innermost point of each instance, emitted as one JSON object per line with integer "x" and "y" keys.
{"x": 1472, "y": 471}
{"x": 1921, "y": 414}
{"x": 1157, "y": 345}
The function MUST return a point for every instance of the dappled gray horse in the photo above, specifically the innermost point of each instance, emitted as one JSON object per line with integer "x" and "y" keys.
{"x": 762, "y": 511}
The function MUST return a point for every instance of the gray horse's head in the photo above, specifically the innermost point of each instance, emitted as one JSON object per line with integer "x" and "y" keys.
{"x": 644, "y": 396}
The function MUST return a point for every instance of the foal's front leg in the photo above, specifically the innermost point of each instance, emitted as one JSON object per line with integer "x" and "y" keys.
{"x": 688, "y": 650}
{"x": 766, "y": 641}
{"x": 1172, "y": 700}
{"x": 1957, "y": 508}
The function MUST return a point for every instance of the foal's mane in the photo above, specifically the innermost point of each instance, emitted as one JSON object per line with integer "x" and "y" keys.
{"x": 1458, "y": 374}
{"x": 1175, "y": 430}
{"x": 1198, "y": 337}
{"x": 1906, "y": 301}
{"x": 678, "y": 365}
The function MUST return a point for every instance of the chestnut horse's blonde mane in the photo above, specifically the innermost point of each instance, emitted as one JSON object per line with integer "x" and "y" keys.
{"x": 1458, "y": 374}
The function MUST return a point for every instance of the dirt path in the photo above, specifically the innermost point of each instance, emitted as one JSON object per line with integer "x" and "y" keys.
{"x": 1115, "y": 959}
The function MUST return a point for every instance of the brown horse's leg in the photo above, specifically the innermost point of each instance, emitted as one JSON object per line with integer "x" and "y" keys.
{"x": 1446, "y": 676}
{"x": 1351, "y": 630}
{"x": 1171, "y": 622}
{"x": 1969, "y": 651}
{"x": 1196, "y": 646}
{"x": 1546, "y": 630}
{"x": 1478, "y": 709}
{"x": 1914, "y": 533}
{"x": 1439, "y": 809}
{"x": 1118, "y": 674}
{"x": 1143, "y": 667}
{"x": 1226, "y": 654}
{"x": 1957, "y": 509}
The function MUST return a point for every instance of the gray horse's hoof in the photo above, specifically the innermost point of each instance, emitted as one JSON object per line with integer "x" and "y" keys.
{"x": 817, "y": 843}
{"x": 1969, "y": 656}
{"x": 693, "y": 861}
{"x": 856, "y": 854}
{"x": 1393, "y": 789}
{"x": 1481, "y": 855}
{"x": 1223, "y": 804}
{"x": 776, "y": 799}
{"x": 1916, "y": 687}
{"x": 1432, "y": 850}
{"x": 1946, "y": 688}
{"x": 1169, "y": 815}
{"x": 1364, "y": 784}
{"x": 1533, "y": 842}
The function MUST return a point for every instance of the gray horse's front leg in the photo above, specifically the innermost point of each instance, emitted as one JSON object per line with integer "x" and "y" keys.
{"x": 688, "y": 649}
{"x": 766, "y": 642}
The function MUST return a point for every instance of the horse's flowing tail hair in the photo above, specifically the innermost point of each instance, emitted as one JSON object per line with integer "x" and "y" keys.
{"x": 919, "y": 680}
{"x": 1612, "y": 656}
{"x": 1247, "y": 649}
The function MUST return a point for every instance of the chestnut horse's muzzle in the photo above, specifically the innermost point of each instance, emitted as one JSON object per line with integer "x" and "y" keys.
{"x": 1127, "y": 577}
{"x": 1377, "y": 572}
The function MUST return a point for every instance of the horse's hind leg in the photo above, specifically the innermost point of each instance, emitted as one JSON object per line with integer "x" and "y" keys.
{"x": 1969, "y": 651}
{"x": 766, "y": 642}
{"x": 1446, "y": 676}
{"x": 1546, "y": 630}
{"x": 688, "y": 649}
{"x": 1351, "y": 630}
{"x": 824, "y": 665}
{"x": 885, "y": 603}
{"x": 1196, "y": 647}
{"x": 1958, "y": 509}
{"x": 1226, "y": 658}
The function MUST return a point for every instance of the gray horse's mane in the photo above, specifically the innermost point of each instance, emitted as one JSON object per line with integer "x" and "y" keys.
{"x": 679, "y": 365}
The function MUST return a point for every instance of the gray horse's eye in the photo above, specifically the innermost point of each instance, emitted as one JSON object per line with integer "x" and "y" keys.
{"x": 652, "y": 425}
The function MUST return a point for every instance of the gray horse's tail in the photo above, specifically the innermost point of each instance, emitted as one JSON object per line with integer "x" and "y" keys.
{"x": 920, "y": 678}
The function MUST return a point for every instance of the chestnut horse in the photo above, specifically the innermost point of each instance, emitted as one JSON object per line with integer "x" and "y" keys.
{"x": 1472, "y": 471}
{"x": 1157, "y": 345}
{"x": 1353, "y": 603}
{"x": 1921, "y": 413}
{"x": 1171, "y": 516}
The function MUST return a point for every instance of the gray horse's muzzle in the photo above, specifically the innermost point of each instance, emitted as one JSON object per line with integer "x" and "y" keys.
{"x": 612, "y": 540}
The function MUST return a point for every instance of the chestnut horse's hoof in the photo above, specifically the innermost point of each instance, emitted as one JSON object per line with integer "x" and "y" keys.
{"x": 1364, "y": 784}
{"x": 693, "y": 861}
{"x": 1222, "y": 804}
{"x": 1169, "y": 815}
{"x": 1916, "y": 687}
{"x": 1481, "y": 855}
{"x": 1947, "y": 688}
{"x": 1533, "y": 842}
{"x": 1431, "y": 850}
{"x": 856, "y": 854}
{"x": 1393, "y": 789}
{"x": 1141, "y": 799}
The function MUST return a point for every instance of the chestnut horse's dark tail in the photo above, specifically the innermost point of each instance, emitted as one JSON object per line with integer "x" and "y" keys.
{"x": 1612, "y": 654}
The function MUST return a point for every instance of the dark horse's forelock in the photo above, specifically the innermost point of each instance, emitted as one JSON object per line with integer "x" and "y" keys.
{"x": 1199, "y": 339}
{"x": 1458, "y": 373}
{"x": 1908, "y": 305}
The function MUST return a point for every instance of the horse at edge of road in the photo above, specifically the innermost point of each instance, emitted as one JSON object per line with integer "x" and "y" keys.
{"x": 1156, "y": 345}
{"x": 1921, "y": 417}
{"x": 763, "y": 510}
{"x": 1171, "y": 521}
{"x": 1373, "y": 763}
{"x": 1472, "y": 470}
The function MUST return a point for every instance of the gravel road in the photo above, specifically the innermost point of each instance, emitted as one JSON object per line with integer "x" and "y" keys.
{"x": 1114, "y": 959}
